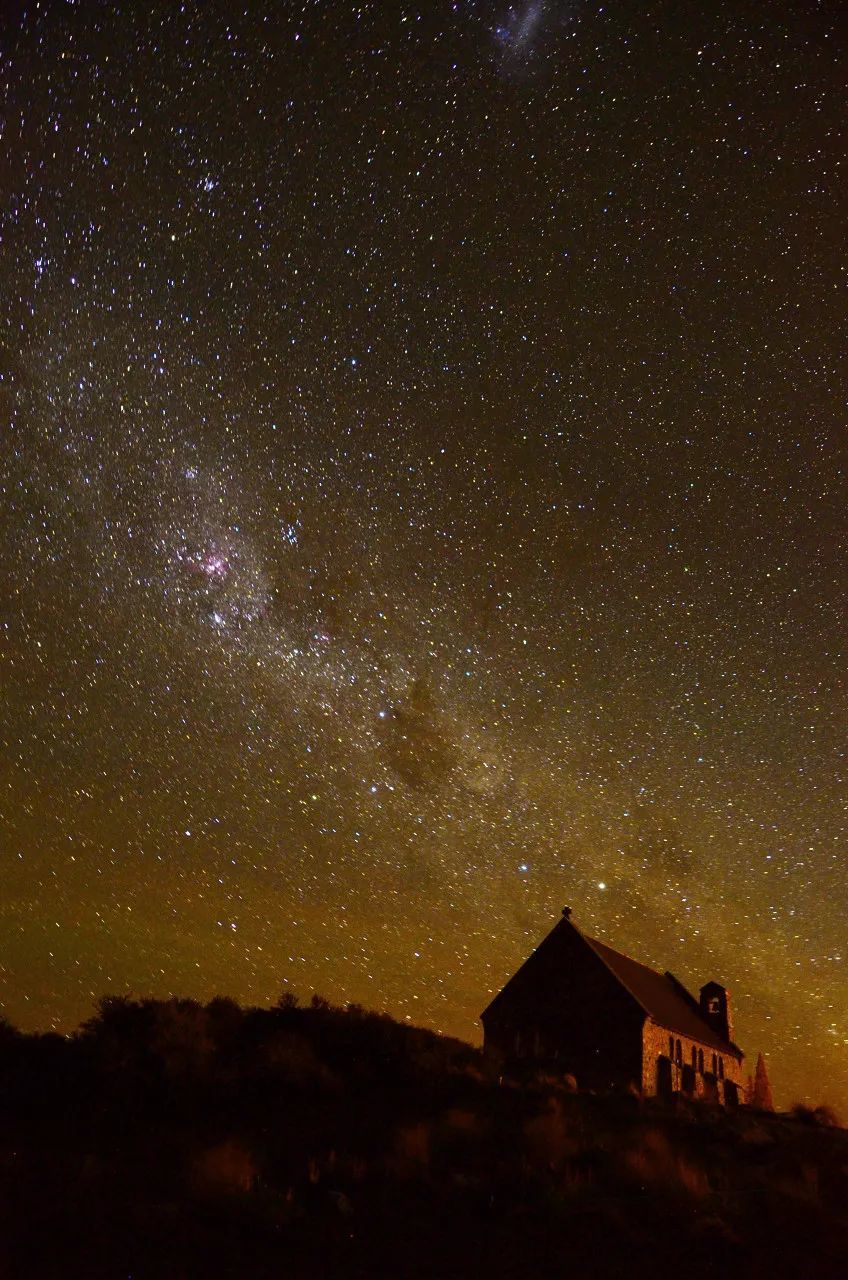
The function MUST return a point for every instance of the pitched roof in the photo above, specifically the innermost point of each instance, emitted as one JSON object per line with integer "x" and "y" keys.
{"x": 662, "y": 997}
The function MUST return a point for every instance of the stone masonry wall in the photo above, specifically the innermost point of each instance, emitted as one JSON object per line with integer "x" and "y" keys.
{"x": 655, "y": 1044}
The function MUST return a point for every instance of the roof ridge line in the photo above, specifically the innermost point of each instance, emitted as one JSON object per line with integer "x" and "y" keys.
{"x": 687, "y": 995}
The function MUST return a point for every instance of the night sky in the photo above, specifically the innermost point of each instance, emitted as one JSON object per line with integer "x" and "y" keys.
{"x": 422, "y": 504}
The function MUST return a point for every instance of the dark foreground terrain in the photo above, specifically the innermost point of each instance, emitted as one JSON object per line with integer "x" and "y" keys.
{"x": 180, "y": 1141}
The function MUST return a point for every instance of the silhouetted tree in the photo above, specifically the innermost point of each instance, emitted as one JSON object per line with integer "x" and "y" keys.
{"x": 760, "y": 1090}
{"x": 8, "y": 1033}
{"x": 180, "y": 1037}
{"x": 224, "y": 1020}
{"x": 120, "y": 1031}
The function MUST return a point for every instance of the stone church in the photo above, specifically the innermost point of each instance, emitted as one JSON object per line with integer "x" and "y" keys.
{"x": 576, "y": 1006}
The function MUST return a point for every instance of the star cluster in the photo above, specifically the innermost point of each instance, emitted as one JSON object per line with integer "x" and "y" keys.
{"x": 422, "y": 500}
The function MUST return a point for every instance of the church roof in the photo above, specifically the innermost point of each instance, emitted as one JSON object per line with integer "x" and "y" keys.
{"x": 662, "y": 997}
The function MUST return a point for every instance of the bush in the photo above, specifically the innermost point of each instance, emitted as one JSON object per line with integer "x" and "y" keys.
{"x": 655, "y": 1163}
{"x": 228, "y": 1168}
{"x": 822, "y": 1116}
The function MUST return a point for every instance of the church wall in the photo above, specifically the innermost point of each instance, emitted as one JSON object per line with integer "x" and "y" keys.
{"x": 700, "y": 1084}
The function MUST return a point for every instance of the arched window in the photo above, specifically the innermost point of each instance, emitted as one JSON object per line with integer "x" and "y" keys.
{"x": 671, "y": 1047}
{"x": 701, "y": 1061}
{"x": 721, "y": 1068}
{"x": 715, "y": 1065}
{"x": 679, "y": 1052}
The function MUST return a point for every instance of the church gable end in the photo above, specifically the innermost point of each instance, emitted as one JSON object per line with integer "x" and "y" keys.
{"x": 564, "y": 1008}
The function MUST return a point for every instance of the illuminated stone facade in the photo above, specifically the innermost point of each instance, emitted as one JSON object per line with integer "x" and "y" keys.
{"x": 673, "y": 1063}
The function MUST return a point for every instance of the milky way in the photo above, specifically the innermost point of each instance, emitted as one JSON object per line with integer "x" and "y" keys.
{"x": 423, "y": 504}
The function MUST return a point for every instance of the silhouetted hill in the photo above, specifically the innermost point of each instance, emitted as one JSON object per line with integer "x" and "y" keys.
{"x": 173, "y": 1140}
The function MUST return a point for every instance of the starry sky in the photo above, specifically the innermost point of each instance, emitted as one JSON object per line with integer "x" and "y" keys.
{"x": 422, "y": 503}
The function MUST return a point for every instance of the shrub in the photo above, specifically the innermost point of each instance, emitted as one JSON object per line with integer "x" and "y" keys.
{"x": 547, "y": 1138}
{"x": 411, "y": 1155}
{"x": 656, "y": 1164}
{"x": 225, "y": 1169}
{"x": 822, "y": 1116}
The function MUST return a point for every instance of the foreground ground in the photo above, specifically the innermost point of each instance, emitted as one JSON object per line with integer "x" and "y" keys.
{"x": 174, "y": 1141}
